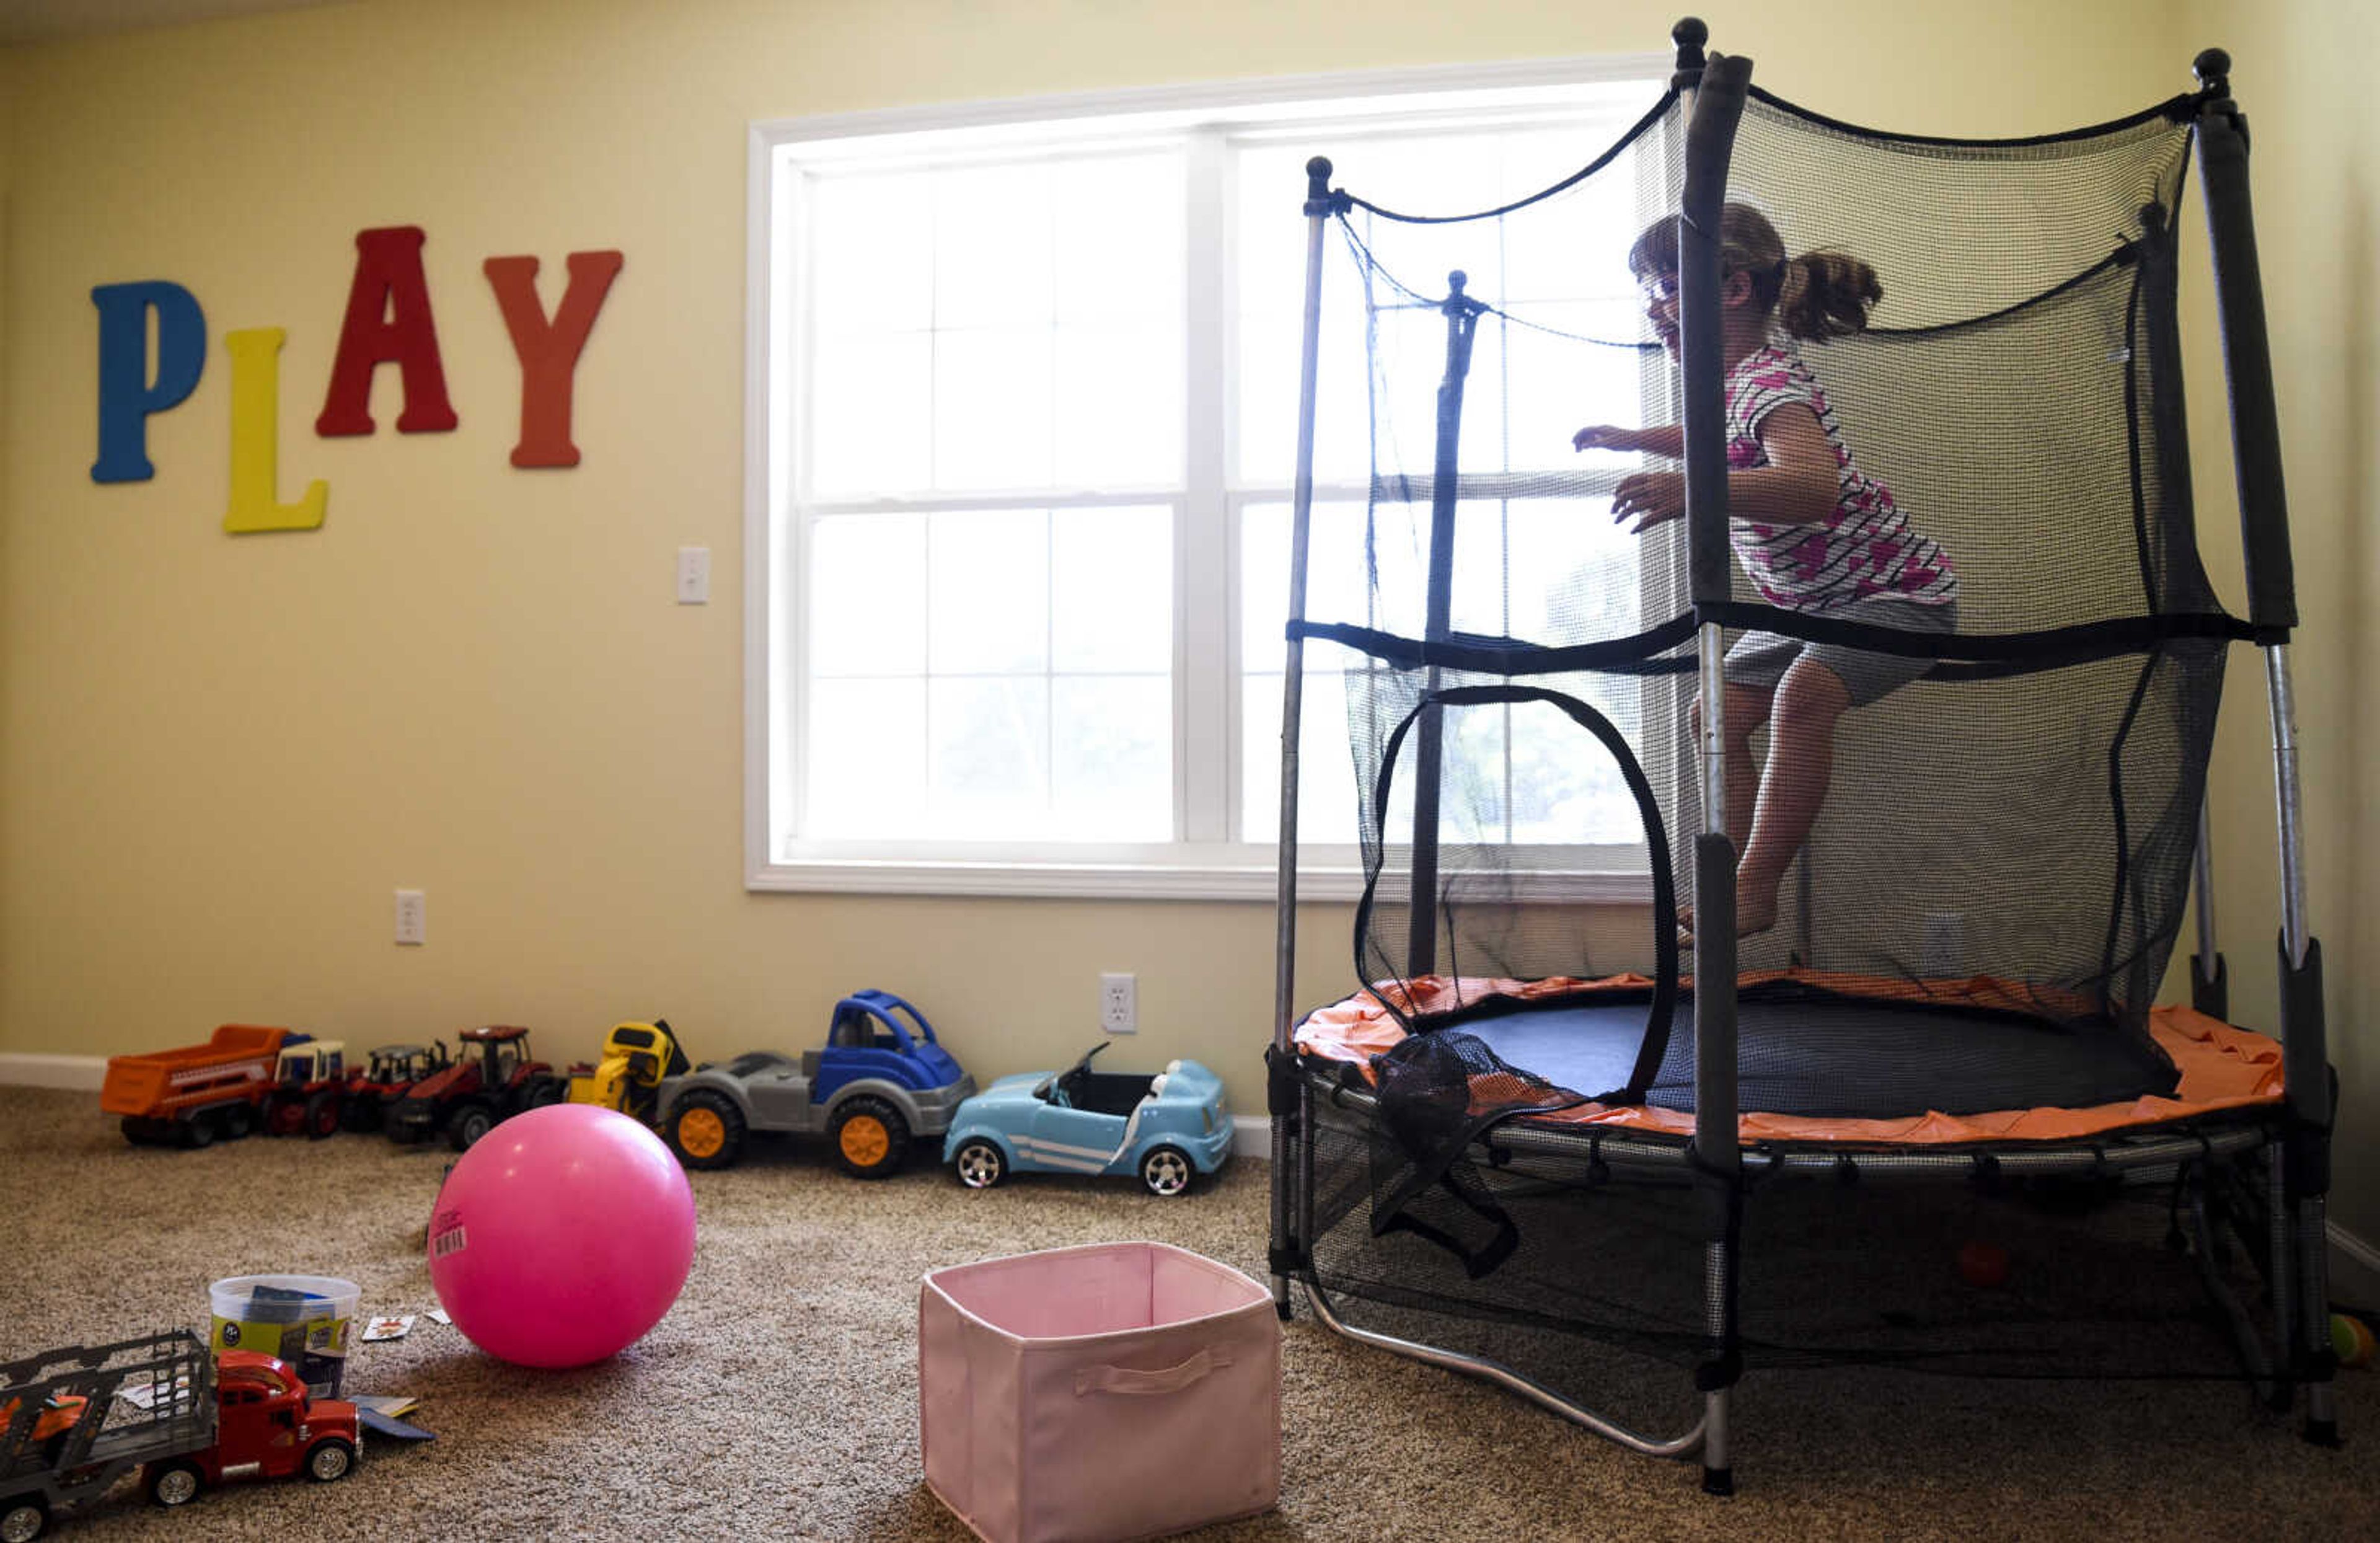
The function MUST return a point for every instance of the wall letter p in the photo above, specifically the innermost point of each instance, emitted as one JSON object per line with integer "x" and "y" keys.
{"x": 126, "y": 395}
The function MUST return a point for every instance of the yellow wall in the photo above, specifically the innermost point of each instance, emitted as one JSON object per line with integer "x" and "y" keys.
{"x": 218, "y": 757}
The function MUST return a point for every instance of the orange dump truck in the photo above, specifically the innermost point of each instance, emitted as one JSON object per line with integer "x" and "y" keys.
{"x": 190, "y": 1096}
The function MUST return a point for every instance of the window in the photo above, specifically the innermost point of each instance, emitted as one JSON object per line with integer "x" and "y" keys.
{"x": 1021, "y": 423}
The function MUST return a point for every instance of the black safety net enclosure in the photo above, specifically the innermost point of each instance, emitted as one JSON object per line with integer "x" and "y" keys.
{"x": 1777, "y": 568}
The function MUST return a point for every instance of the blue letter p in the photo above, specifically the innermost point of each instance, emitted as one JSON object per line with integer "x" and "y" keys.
{"x": 126, "y": 396}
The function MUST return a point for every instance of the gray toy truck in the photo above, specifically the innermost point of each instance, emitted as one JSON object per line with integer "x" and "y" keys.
{"x": 881, "y": 1081}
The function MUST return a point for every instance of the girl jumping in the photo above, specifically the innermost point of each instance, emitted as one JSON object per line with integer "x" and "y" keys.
{"x": 1813, "y": 532}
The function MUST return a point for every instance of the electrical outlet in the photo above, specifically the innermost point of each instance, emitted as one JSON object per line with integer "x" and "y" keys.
{"x": 412, "y": 916}
{"x": 1119, "y": 1004}
{"x": 694, "y": 575}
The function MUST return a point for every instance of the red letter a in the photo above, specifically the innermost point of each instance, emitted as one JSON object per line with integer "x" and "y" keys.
{"x": 388, "y": 279}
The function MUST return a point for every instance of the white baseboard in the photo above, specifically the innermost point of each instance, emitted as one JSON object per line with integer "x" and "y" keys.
{"x": 1251, "y": 1137}
{"x": 81, "y": 1072}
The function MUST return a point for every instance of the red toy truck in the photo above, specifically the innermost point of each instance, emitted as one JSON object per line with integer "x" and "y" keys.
{"x": 267, "y": 1426}
{"x": 76, "y": 1420}
{"x": 191, "y": 1095}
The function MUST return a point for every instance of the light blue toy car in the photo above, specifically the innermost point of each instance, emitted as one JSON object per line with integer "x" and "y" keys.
{"x": 1167, "y": 1129}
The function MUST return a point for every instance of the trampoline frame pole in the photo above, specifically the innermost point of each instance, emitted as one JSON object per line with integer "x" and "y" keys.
{"x": 1462, "y": 314}
{"x": 2209, "y": 988}
{"x": 1717, "y": 108}
{"x": 1292, "y": 1149}
{"x": 2222, "y": 133}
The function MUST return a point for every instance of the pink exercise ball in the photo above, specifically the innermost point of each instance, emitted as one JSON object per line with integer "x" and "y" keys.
{"x": 562, "y": 1236}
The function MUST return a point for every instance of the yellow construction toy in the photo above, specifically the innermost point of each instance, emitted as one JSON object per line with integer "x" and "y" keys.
{"x": 636, "y": 1058}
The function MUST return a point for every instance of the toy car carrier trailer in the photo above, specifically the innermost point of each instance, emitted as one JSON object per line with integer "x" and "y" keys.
{"x": 193, "y": 1095}
{"x": 44, "y": 1470}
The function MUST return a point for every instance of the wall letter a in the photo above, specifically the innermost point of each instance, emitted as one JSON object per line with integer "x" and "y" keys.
{"x": 388, "y": 318}
{"x": 548, "y": 351}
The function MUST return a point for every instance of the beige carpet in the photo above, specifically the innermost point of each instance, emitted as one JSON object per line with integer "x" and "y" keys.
{"x": 778, "y": 1399}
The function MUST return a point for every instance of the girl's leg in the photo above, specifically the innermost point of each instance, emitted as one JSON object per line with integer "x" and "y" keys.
{"x": 1747, "y": 707}
{"x": 1809, "y": 702}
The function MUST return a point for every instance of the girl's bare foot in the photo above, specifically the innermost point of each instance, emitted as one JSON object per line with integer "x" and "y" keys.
{"x": 1754, "y": 916}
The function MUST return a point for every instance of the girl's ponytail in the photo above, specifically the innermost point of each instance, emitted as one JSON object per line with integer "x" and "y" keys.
{"x": 1826, "y": 295}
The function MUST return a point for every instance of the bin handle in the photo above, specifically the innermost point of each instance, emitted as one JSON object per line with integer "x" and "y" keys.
{"x": 1126, "y": 1379}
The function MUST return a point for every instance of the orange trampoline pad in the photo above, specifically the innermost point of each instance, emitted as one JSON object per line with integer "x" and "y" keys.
{"x": 2222, "y": 1067}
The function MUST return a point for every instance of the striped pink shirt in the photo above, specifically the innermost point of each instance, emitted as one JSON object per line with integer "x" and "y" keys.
{"x": 1864, "y": 548}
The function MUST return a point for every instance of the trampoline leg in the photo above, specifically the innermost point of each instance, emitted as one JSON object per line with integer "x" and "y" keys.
{"x": 2313, "y": 1273}
{"x": 1719, "y": 1475}
{"x": 2283, "y": 1266}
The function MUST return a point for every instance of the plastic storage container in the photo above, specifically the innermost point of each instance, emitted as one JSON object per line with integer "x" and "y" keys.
{"x": 304, "y": 1319}
{"x": 1115, "y": 1392}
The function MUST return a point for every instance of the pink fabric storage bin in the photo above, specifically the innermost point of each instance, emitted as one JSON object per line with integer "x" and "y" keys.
{"x": 1096, "y": 1394}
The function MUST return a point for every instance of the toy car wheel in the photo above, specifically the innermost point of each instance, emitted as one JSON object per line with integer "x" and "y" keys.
{"x": 870, "y": 1138}
{"x": 174, "y": 1483}
{"x": 468, "y": 1124}
{"x": 705, "y": 1129}
{"x": 283, "y": 1116}
{"x": 360, "y": 1113}
{"x": 981, "y": 1163}
{"x": 542, "y": 1091}
{"x": 237, "y": 1123}
{"x": 321, "y": 1116}
{"x": 330, "y": 1461}
{"x": 22, "y": 1519}
{"x": 198, "y": 1131}
{"x": 1166, "y": 1170}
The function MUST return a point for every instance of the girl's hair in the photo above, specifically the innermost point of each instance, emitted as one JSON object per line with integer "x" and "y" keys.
{"x": 1818, "y": 294}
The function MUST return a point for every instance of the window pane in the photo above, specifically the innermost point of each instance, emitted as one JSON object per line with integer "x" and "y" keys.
{"x": 988, "y": 761}
{"x": 992, "y": 409}
{"x": 1326, "y": 770}
{"x": 1119, "y": 244}
{"x": 1112, "y": 755}
{"x": 871, "y": 252}
{"x": 856, "y": 562}
{"x": 992, "y": 228}
{"x": 987, "y": 594}
{"x": 1112, "y": 576}
{"x": 1119, "y": 407}
{"x": 866, "y": 396}
{"x": 867, "y": 758}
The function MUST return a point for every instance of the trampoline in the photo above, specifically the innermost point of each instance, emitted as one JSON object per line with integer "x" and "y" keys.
{"x": 1531, "y": 1135}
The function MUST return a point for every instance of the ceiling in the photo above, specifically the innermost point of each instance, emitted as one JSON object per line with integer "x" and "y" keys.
{"x": 35, "y": 20}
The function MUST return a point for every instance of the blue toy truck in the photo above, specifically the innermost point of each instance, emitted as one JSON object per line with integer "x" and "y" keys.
{"x": 881, "y": 1081}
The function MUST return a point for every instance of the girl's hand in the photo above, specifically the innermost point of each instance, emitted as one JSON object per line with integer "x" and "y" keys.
{"x": 1607, "y": 436}
{"x": 1650, "y": 498}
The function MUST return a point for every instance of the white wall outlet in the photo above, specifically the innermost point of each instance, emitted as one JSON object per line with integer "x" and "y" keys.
{"x": 1119, "y": 1004}
{"x": 694, "y": 575}
{"x": 412, "y": 917}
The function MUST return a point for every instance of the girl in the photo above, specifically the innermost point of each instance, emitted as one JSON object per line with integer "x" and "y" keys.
{"x": 1812, "y": 532}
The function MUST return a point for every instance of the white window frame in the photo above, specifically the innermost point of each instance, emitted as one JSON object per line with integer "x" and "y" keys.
{"x": 1208, "y": 863}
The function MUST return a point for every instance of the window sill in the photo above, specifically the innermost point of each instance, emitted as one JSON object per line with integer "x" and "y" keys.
{"x": 1094, "y": 881}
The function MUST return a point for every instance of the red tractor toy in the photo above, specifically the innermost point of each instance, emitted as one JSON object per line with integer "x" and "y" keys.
{"x": 491, "y": 1080}
{"x": 382, "y": 1082}
{"x": 309, "y": 1080}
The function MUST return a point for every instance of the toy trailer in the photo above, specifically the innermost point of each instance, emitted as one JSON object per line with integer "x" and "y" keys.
{"x": 191, "y": 1095}
{"x": 121, "y": 1407}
